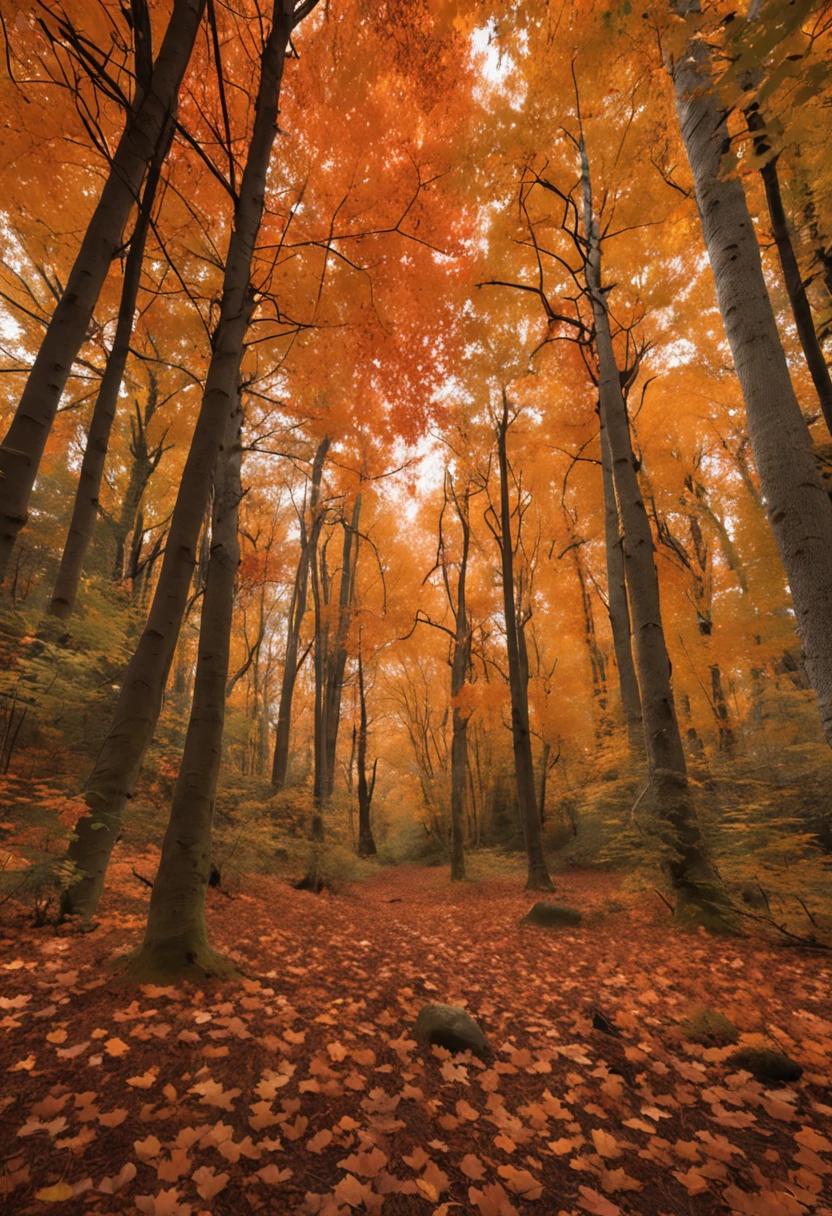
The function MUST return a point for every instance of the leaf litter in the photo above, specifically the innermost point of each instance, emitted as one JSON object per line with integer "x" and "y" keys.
{"x": 301, "y": 1088}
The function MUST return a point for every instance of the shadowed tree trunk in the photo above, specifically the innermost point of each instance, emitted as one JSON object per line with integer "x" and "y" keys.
{"x": 792, "y": 278}
{"x": 119, "y": 763}
{"x": 366, "y": 788}
{"x": 144, "y": 463}
{"x": 23, "y": 446}
{"x": 175, "y": 939}
{"x": 798, "y": 508}
{"x": 695, "y": 881}
{"x": 330, "y": 662}
{"x": 297, "y": 610}
{"x": 619, "y": 608}
{"x": 518, "y": 672}
{"x": 86, "y": 507}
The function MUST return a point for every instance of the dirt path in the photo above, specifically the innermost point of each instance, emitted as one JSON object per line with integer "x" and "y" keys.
{"x": 302, "y": 1089}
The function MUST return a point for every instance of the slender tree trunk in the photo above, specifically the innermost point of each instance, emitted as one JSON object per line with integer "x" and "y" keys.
{"x": 85, "y": 510}
{"x": 297, "y": 611}
{"x": 544, "y": 776}
{"x": 175, "y": 940}
{"x": 144, "y": 462}
{"x": 792, "y": 278}
{"x": 366, "y": 842}
{"x": 799, "y": 510}
{"x": 699, "y": 896}
{"x": 119, "y": 763}
{"x": 460, "y": 664}
{"x": 619, "y": 609}
{"x": 23, "y": 446}
{"x": 726, "y": 739}
{"x": 597, "y": 660}
{"x": 338, "y": 653}
{"x": 518, "y": 671}
{"x": 330, "y": 664}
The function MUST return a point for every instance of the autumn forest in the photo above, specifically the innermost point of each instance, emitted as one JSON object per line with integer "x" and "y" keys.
{"x": 416, "y": 607}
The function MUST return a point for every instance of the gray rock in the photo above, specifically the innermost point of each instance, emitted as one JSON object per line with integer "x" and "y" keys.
{"x": 552, "y": 916}
{"x": 766, "y": 1065}
{"x": 451, "y": 1027}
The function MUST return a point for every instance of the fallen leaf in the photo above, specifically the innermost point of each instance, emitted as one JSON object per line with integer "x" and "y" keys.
{"x": 58, "y": 1193}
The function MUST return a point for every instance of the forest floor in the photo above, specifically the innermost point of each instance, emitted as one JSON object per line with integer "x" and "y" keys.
{"x": 302, "y": 1088}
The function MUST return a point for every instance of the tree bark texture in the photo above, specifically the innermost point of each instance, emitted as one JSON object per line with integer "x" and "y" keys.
{"x": 695, "y": 881}
{"x": 619, "y": 608}
{"x": 23, "y": 446}
{"x": 85, "y": 509}
{"x": 175, "y": 940}
{"x": 330, "y": 662}
{"x": 799, "y": 510}
{"x": 792, "y": 278}
{"x": 366, "y": 788}
{"x": 309, "y": 534}
{"x": 119, "y": 763}
{"x": 518, "y": 671}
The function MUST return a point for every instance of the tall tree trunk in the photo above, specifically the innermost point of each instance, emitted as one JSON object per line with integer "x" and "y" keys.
{"x": 799, "y": 510}
{"x": 518, "y": 672}
{"x": 23, "y": 446}
{"x": 85, "y": 509}
{"x": 699, "y": 895}
{"x": 297, "y": 610}
{"x": 792, "y": 278}
{"x": 119, "y": 763}
{"x": 366, "y": 842}
{"x": 175, "y": 939}
{"x": 619, "y": 609}
{"x": 330, "y": 664}
{"x": 460, "y": 665}
{"x": 338, "y": 652}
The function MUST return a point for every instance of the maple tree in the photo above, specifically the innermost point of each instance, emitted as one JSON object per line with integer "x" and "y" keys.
{"x": 416, "y": 455}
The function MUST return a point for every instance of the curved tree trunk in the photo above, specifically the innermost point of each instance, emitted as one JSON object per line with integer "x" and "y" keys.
{"x": 175, "y": 939}
{"x": 85, "y": 510}
{"x": 799, "y": 510}
{"x": 119, "y": 763}
{"x": 619, "y": 609}
{"x": 695, "y": 881}
{"x": 23, "y": 446}
{"x": 518, "y": 671}
{"x": 297, "y": 611}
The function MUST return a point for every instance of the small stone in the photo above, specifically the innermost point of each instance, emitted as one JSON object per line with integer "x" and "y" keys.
{"x": 766, "y": 1065}
{"x": 451, "y": 1027}
{"x": 709, "y": 1027}
{"x": 552, "y": 916}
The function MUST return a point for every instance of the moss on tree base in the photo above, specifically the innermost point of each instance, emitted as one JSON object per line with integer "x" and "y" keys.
{"x": 172, "y": 962}
{"x": 711, "y": 911}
